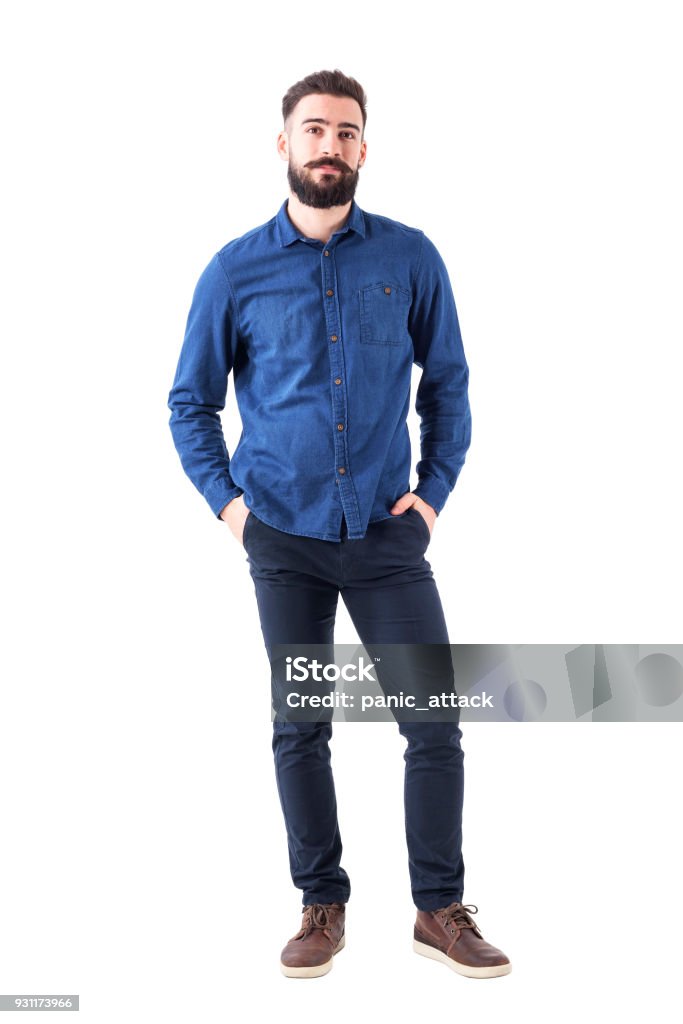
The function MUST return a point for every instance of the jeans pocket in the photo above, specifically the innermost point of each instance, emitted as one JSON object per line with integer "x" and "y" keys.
{"x": 423, "y": 522}
{"x": 247, "y": 523}
{"x": 384, "y": 309}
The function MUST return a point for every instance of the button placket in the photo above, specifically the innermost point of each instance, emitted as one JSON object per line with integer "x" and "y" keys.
{"x": 335, "y": 348}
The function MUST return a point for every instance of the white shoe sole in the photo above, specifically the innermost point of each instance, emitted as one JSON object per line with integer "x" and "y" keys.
{"x": 469, "y": 972}
{"x": 316, "y": 971}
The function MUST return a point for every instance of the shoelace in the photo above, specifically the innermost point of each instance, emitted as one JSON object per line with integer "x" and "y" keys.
{"x": 317, "y": 915}
{"x": 458, "y": 914}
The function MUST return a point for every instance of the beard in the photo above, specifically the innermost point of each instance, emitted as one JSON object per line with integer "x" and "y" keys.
{"x": 330, "y": 190}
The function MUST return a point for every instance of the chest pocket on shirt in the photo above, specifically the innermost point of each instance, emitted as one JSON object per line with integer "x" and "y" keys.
{"x": 384, "y": 311}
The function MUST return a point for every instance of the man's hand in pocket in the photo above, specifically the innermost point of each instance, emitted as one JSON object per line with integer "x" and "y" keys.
{"x": 235, "y": 515}
{"x": 425, "y": 510}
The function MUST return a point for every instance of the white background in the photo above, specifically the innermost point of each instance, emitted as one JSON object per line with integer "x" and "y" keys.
{"x": 142, "y": 855}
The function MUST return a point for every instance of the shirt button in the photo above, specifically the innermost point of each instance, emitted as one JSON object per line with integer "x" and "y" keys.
{"x": 333, "y": 337}
{"x": 327, "y": 252}
{"x": 337, "y": 380}
{"x": 387, "y": 291}
{"x": 340, "y": 426}
{"x": 329, "y": 292}
{"x": 341, "y": 471}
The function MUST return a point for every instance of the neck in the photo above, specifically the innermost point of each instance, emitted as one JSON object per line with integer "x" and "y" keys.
{"x": 315, "y": 223}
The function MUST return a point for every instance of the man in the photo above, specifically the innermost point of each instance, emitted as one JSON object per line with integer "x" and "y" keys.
{"x": 320, "y": 314}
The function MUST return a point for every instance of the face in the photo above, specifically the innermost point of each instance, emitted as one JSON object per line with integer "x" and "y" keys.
{"x": 322, "y": 145}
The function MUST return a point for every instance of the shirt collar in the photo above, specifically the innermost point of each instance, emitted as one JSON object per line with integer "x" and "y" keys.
{"x": 288, "y": 233}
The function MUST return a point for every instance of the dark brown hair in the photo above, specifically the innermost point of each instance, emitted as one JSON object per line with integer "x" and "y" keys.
{"x": 331, "y": 83}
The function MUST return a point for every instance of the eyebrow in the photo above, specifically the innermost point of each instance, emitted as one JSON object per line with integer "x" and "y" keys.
{"x": 321, "y": 120}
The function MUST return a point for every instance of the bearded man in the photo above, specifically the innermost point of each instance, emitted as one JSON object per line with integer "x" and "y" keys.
{"x": 320, "y": 315}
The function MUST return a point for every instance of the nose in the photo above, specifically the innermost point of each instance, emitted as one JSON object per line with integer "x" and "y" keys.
{"x": 329, "y": 143}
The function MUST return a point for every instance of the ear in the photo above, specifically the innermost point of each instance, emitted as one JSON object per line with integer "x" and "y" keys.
{"x": 363, "y": 151}
{"x": 283, "y": 146}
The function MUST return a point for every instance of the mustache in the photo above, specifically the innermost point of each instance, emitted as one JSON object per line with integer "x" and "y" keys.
{"x": 330, "y": 163}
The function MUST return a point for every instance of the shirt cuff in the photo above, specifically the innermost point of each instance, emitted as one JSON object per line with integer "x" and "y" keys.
{"x": 434, "y": 492}
{"x": 220, "y": 495}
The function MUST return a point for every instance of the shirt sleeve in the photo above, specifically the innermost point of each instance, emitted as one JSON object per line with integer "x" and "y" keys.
{"x": 200, "y": 387}
{"x": 442, "y": 401}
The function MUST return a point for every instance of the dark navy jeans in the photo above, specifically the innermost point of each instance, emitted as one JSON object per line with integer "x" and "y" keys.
{"x": 389, "y": 590}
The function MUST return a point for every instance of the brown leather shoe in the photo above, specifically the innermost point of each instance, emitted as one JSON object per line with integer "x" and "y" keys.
{"x": 308, "y": 954}
{"x": 451, "y": 936}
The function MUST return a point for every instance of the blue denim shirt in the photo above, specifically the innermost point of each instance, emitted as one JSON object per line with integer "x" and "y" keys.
{"x": 320, "y": 340}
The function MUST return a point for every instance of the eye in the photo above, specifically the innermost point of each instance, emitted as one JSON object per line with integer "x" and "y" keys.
{"x": 350, "y": 134}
